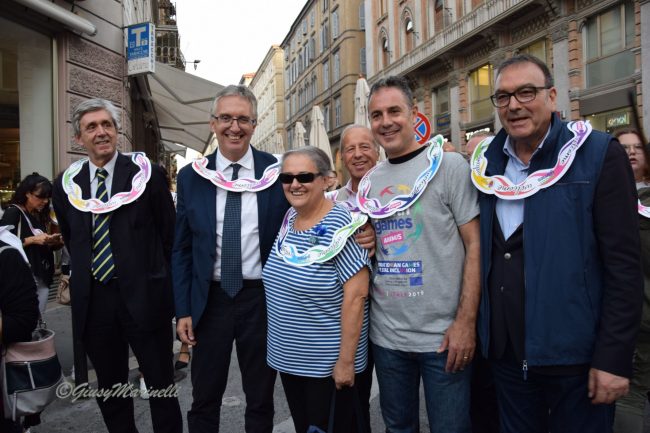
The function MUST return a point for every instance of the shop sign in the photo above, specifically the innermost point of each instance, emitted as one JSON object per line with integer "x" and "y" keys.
{"x": 443, "y": 121}
{"x": 617, "y": 120}
{"x": 141, "y": 48}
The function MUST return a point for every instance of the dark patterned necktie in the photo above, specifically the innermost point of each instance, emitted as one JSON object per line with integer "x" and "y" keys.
{"x": 231, "y": 273}
{"x": 103, "y": 266}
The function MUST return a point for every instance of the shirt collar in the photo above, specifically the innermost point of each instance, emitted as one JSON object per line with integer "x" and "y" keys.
{"x": 109, "y": 167}
{"x": 509, "y": 150}
{"x": 245, "y": 161}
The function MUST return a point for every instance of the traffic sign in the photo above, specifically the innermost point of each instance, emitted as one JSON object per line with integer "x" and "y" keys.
{"x": 422, "y": 128}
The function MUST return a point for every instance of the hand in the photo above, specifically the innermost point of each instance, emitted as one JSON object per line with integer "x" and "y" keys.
{"x": 605, "y": 388}
{"x": 185, "y": 331}
{"x": 41, "y": 239}
{"x": 460, "y": 341}
{"x": 365, "y": 237}
{"x": 54, "y": 240}
{"x": 343, "y": 374}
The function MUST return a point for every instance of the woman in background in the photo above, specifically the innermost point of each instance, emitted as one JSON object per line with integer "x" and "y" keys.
{"x": 630, "y": 409}
{"x": 29, "y": 214}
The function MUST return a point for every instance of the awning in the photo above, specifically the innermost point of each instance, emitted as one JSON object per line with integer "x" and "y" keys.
{"x": 64, "y": 16}
{"x": 183, "y": 104}
{"x": 174, "y": 148}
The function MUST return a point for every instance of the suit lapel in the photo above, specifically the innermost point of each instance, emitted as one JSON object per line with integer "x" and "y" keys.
{"x": 209, "y": 197}
{"x": 262, "y": 196}
{"x": 124, "y": 172}
{"x": 83, "y": 180}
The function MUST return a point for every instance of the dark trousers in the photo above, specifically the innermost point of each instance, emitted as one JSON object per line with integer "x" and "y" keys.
{"x": 363, "y": 383}
{"x": 310, "y": 398}
{"x": 241, "y": 319}
{"x": 109, "y": 332}
{"x": 483, "y": 408}
{"x": 545, "y": 403}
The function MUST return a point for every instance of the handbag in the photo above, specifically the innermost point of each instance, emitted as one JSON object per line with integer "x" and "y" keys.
{"x": 358, "y": 414}
{"x": 63, "y": 291}
{"x": 31, "y": 374}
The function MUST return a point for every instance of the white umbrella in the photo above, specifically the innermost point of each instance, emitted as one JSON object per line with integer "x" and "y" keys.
{"x": 361, "y": 93}
{"x": 299, "y": 135}
{"x": 318, "y": 134}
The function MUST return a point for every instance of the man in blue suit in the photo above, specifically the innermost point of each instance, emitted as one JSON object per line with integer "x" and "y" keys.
{"x": 224, "y": 234}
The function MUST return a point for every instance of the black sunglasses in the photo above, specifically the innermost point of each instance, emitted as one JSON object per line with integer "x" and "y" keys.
{"x": 288, "y": 178}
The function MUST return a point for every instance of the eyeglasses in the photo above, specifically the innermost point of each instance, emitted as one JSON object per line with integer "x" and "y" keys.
{"x": 287, "y": 178}
{"x": 523, "y": 95}
{"x": 226, "y": 119}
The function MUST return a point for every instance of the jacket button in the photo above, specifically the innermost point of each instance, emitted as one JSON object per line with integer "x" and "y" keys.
{"x": 507, "y": 256}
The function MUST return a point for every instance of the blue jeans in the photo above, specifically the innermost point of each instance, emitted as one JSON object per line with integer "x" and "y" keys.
{"x": 447, "y": 395}
{"x": 544, "y": 403}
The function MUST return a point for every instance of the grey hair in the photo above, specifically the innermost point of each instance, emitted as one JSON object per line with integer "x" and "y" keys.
{"x": 357, "y": 126}
{"x": 316, "y": 155}
{"x": 94, "y": 105}
{"x": 236, "y": 90}
{"x": 397, "y": 82}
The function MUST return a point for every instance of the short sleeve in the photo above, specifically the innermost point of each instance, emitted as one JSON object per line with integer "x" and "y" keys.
{"x": 463, "y": 196}
{"x": 350, "y": 260}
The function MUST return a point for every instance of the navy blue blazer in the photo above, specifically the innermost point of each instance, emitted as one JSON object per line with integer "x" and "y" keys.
{"x": 195, "y": 243}
{"x": 141, "y": 239}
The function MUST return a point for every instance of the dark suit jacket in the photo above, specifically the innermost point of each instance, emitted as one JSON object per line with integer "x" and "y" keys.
{"x": 142, "y": 236}
{"x": 195, "y": 245}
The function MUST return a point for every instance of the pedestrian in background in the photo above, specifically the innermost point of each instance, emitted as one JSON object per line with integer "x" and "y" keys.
{"x": 630, "y": 408}
{"x": 18, "y": 304}
{"x": 29, "y": 214}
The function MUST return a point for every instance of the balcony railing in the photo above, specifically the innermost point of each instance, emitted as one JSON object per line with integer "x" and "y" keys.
{"x": 490, "y": 12}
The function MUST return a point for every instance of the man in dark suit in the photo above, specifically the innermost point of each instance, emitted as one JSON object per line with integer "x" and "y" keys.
{"x": 217, "y": 264}
{"x": 120, "y": 247}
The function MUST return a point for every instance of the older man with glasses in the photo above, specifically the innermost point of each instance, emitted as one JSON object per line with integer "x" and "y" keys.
{"x": 561, "y": 278}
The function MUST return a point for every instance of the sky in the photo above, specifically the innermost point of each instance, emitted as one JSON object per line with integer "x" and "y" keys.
{"x": 231, "y": 37}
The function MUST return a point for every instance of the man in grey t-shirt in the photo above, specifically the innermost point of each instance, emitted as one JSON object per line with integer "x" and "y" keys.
{"x": 425, "y": 288}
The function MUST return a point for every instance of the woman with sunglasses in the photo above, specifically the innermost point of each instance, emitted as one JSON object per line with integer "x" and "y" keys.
{"x": 29, "y": 214}
{"x": 316, "y": 282}
{"x": 629, "y": 416}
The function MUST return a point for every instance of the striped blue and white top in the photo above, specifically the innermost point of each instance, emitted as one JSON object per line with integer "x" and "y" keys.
{"x": 304, "y": 303}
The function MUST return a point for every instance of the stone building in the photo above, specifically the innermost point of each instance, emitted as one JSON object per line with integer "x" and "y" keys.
{"x": 449, "y": 50}
{"x": 323, "y": 57}
{"x": 55, "y": 54}
{"x": 268, "y": 86}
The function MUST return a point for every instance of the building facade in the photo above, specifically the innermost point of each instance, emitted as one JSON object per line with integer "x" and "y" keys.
{"x": 268, "y": 87}
{"x": 449, "y": 50}
{"x": 324, "y": 54}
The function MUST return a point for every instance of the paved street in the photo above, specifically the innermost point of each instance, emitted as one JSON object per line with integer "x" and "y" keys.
{"x": 83, "y": 415}
{"x": 65, "y": 416}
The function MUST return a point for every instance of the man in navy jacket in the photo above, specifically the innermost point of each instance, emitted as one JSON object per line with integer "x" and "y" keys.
{"x": 210, "y": 317}
{"x": 561, "y": 275}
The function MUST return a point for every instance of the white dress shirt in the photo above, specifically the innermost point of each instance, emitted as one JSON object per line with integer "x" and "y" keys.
{"x": 110, "y": 168}
{"x": 250, "y": 235}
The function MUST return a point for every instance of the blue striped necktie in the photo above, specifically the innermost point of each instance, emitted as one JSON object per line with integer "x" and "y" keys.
{"x": 103, "y": 266}
{"x": 231, "y": 276}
